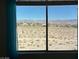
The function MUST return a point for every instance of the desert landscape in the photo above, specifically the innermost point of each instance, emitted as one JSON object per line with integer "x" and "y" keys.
{"x": 62, "y": 35}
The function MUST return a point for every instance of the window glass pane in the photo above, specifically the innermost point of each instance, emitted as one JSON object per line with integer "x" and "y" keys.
{"x": 62, "y": 27}
{"x": 31, "y": 28}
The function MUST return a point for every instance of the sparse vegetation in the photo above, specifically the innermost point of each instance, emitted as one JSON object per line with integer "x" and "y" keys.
{"x": 32, "y": 36}
{"x": 74, "y": 26}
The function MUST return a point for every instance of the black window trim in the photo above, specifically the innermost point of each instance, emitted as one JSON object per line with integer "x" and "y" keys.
{"x": 48, "y": 2}
{"x": 44, "y": 3}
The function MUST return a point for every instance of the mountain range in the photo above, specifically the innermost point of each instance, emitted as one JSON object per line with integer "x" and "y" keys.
{"x": 74, "y": 21}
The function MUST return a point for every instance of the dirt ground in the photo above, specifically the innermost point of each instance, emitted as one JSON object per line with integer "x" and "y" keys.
{"x": 30, "y": 37}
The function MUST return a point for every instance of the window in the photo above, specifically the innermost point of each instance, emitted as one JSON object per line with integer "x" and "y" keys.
{"x": 45, "y": 27}
{"x": 31, "y": 27}
{"x": 62, "y": 27}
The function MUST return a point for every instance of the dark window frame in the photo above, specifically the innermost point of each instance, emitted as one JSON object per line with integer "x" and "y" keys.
{"x": 46, "y": 3}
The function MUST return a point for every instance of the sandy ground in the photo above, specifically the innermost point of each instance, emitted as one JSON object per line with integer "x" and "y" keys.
{"x": 62, "y": 38}
{"x": 34, "y": 38}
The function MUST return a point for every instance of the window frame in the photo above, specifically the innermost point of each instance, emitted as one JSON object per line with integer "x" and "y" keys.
{"x": 46, "y": 4}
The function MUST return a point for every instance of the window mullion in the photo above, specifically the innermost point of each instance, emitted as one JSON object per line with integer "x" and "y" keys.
{"x": 46, "y": 25}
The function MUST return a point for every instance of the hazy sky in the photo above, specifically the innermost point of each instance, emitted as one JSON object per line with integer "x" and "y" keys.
{"x": 65, "y": 12}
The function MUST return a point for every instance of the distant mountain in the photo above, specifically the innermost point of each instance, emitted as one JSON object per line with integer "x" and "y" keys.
{"x": 74, "y": 21}
{"x": 63, "y": 22}
{"x": 31, "y": 21}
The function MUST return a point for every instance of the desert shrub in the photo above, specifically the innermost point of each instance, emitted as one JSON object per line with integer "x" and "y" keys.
{"x": 57, "y": 25}
{"x": 44, "y": 25}
{"x": 66, "y": 25}
{"x": 74, "y": 26}
{"x": 28, "y": 24}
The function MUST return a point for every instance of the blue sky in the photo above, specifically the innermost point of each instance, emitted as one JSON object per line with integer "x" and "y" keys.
{"x": 66, "y": 12}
